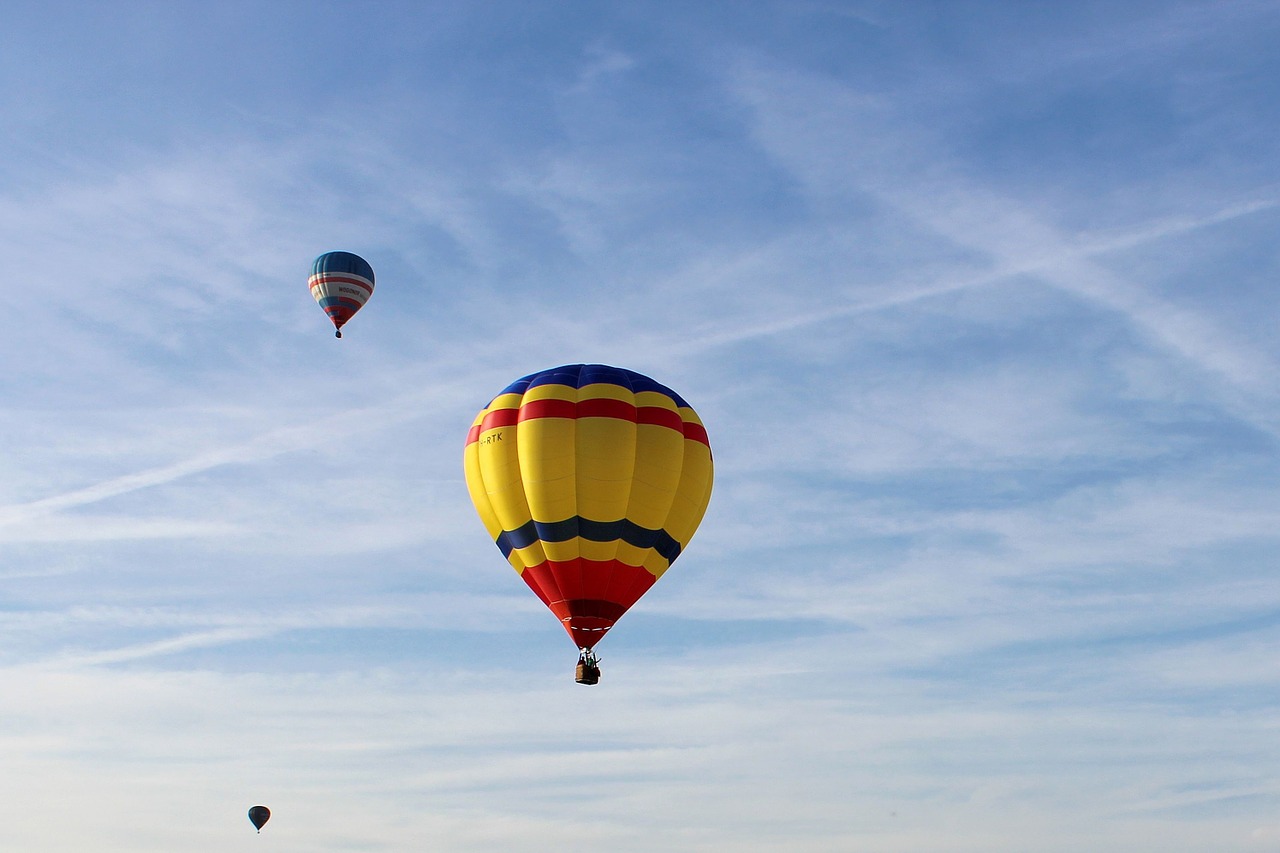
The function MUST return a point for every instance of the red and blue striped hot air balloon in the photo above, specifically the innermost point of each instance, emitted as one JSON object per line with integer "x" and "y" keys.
{"x": 342, "y": 283}
{"x": 591, "y": 480}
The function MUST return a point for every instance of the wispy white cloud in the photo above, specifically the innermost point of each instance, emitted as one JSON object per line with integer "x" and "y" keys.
{"x": 316, "y": 432}
{"x": 292, "y": 742}
{"x": 801, "y": 120}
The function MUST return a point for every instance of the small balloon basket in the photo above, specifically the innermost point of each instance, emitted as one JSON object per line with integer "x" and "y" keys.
{"x": 588, "y": 671}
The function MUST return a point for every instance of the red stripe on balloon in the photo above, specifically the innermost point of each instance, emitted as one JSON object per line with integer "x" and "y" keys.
{"x": 658, "y": 416}
{"x": 531, "y": 409}
{"x": 603, "y": 407}
{"x": 327, "y": 278}
{"x": 599, "y": 407}
{"x": 499, "y": 418}
{"x": 696, "y": 432}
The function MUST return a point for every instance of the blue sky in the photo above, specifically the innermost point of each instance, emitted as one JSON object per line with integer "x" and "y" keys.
{"x": 977, "y": 301}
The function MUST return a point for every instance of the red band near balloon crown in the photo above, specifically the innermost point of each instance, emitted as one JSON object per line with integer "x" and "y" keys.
{"x": 329, "y": 278}
{"x": 598, "y": 407}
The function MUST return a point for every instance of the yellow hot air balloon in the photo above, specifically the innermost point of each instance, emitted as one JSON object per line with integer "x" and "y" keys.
{"x": 591, "y": 480}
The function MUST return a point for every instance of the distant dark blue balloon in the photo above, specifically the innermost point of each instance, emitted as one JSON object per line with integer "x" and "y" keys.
{"x": 258, "y": 815}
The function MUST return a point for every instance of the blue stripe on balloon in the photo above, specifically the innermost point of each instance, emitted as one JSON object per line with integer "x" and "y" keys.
{"x": 593, "y": 531}
{"x": 581, "y": 375}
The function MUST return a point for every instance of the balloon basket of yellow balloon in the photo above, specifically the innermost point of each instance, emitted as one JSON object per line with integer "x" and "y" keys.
{"x": 588, "y": 671}
{"x": 587, "y": 674}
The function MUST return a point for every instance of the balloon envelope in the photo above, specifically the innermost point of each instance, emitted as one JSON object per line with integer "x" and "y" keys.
{"x": 591, "y": 480}
{"x": 258, "y": 815}
{"x": 341, "y": 283}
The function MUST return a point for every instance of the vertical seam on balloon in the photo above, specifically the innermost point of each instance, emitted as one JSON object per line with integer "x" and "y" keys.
{"x": 554, "y": 593}
{"x": 704, "y": 498}
{"x": 493, "y": 512}
{"x": 625, "y": 378}
{"x": 577, "y": 436}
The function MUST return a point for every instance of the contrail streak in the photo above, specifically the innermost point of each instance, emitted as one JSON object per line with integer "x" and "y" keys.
{"x": 265, "y": 446}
